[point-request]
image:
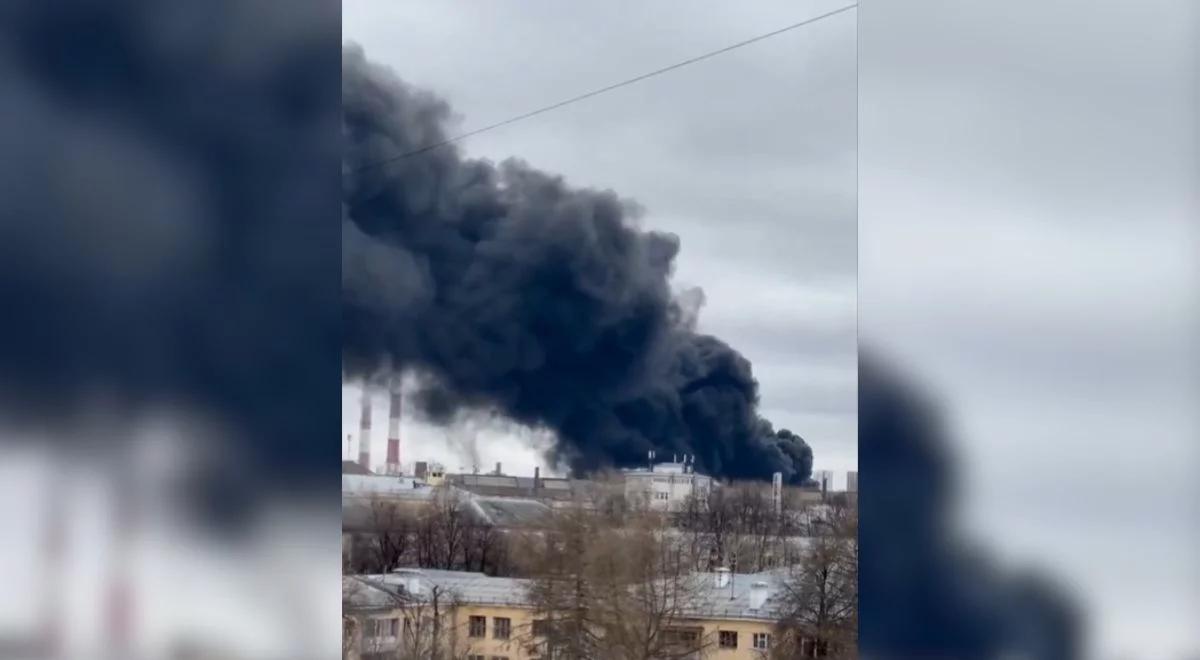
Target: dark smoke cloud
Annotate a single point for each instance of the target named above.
(505, 288)
(167, 196)
(925, 593)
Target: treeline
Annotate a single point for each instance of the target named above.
(442, 532)
(628, 586)
(737, 526)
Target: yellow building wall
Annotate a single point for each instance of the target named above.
(488, 646)
(522, 622)
(745, 630)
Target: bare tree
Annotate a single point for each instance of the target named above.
(820, 599)
(601, 591)
(441, 530)
(392, 535)
(739, 523)
(397, 624)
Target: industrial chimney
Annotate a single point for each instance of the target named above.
(393, 443)
(364, 430)
(777, 492)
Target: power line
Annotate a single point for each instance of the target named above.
(602, 90)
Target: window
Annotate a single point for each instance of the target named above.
(762, 640)
(727, 639)
(393, 627)
(682, 637)
(660, 495)
(813, 648)
(541, 628)
(501, 628)
(477, 626)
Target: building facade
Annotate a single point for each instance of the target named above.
(666, 486)
(473, 616)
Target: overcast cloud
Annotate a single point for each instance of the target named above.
(1028, 247)
(748, 157)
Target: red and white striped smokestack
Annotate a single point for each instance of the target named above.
(364, 430)
(393, 445)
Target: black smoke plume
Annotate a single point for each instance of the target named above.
(925, 592)
(167, 201)
(505, 288)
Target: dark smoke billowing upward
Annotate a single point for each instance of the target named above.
(508, 289)
(167, 246)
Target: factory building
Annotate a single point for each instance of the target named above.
(666, 486)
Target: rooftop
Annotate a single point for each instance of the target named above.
(731, 601)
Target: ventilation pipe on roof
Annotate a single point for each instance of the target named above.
(758, 595)
(411, 579)
(722, 577)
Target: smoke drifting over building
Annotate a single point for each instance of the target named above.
(505, 288)
(166, 235)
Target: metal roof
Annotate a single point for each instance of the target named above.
(510, 511)
(710, 601)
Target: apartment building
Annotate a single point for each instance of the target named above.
(478, 617)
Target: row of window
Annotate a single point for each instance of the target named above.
(385, 627)
(728, 639)
(501, 627)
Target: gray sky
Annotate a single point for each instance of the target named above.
(748, 157)
(1029, 248)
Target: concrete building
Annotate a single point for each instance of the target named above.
(852, 481)
(431, 473)
(665, 486)
(732, 618)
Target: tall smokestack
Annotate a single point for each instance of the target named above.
(393, 443)
(364, 430)
(777, 492)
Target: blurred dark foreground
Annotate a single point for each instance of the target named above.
(169, 365)
(927, 591)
